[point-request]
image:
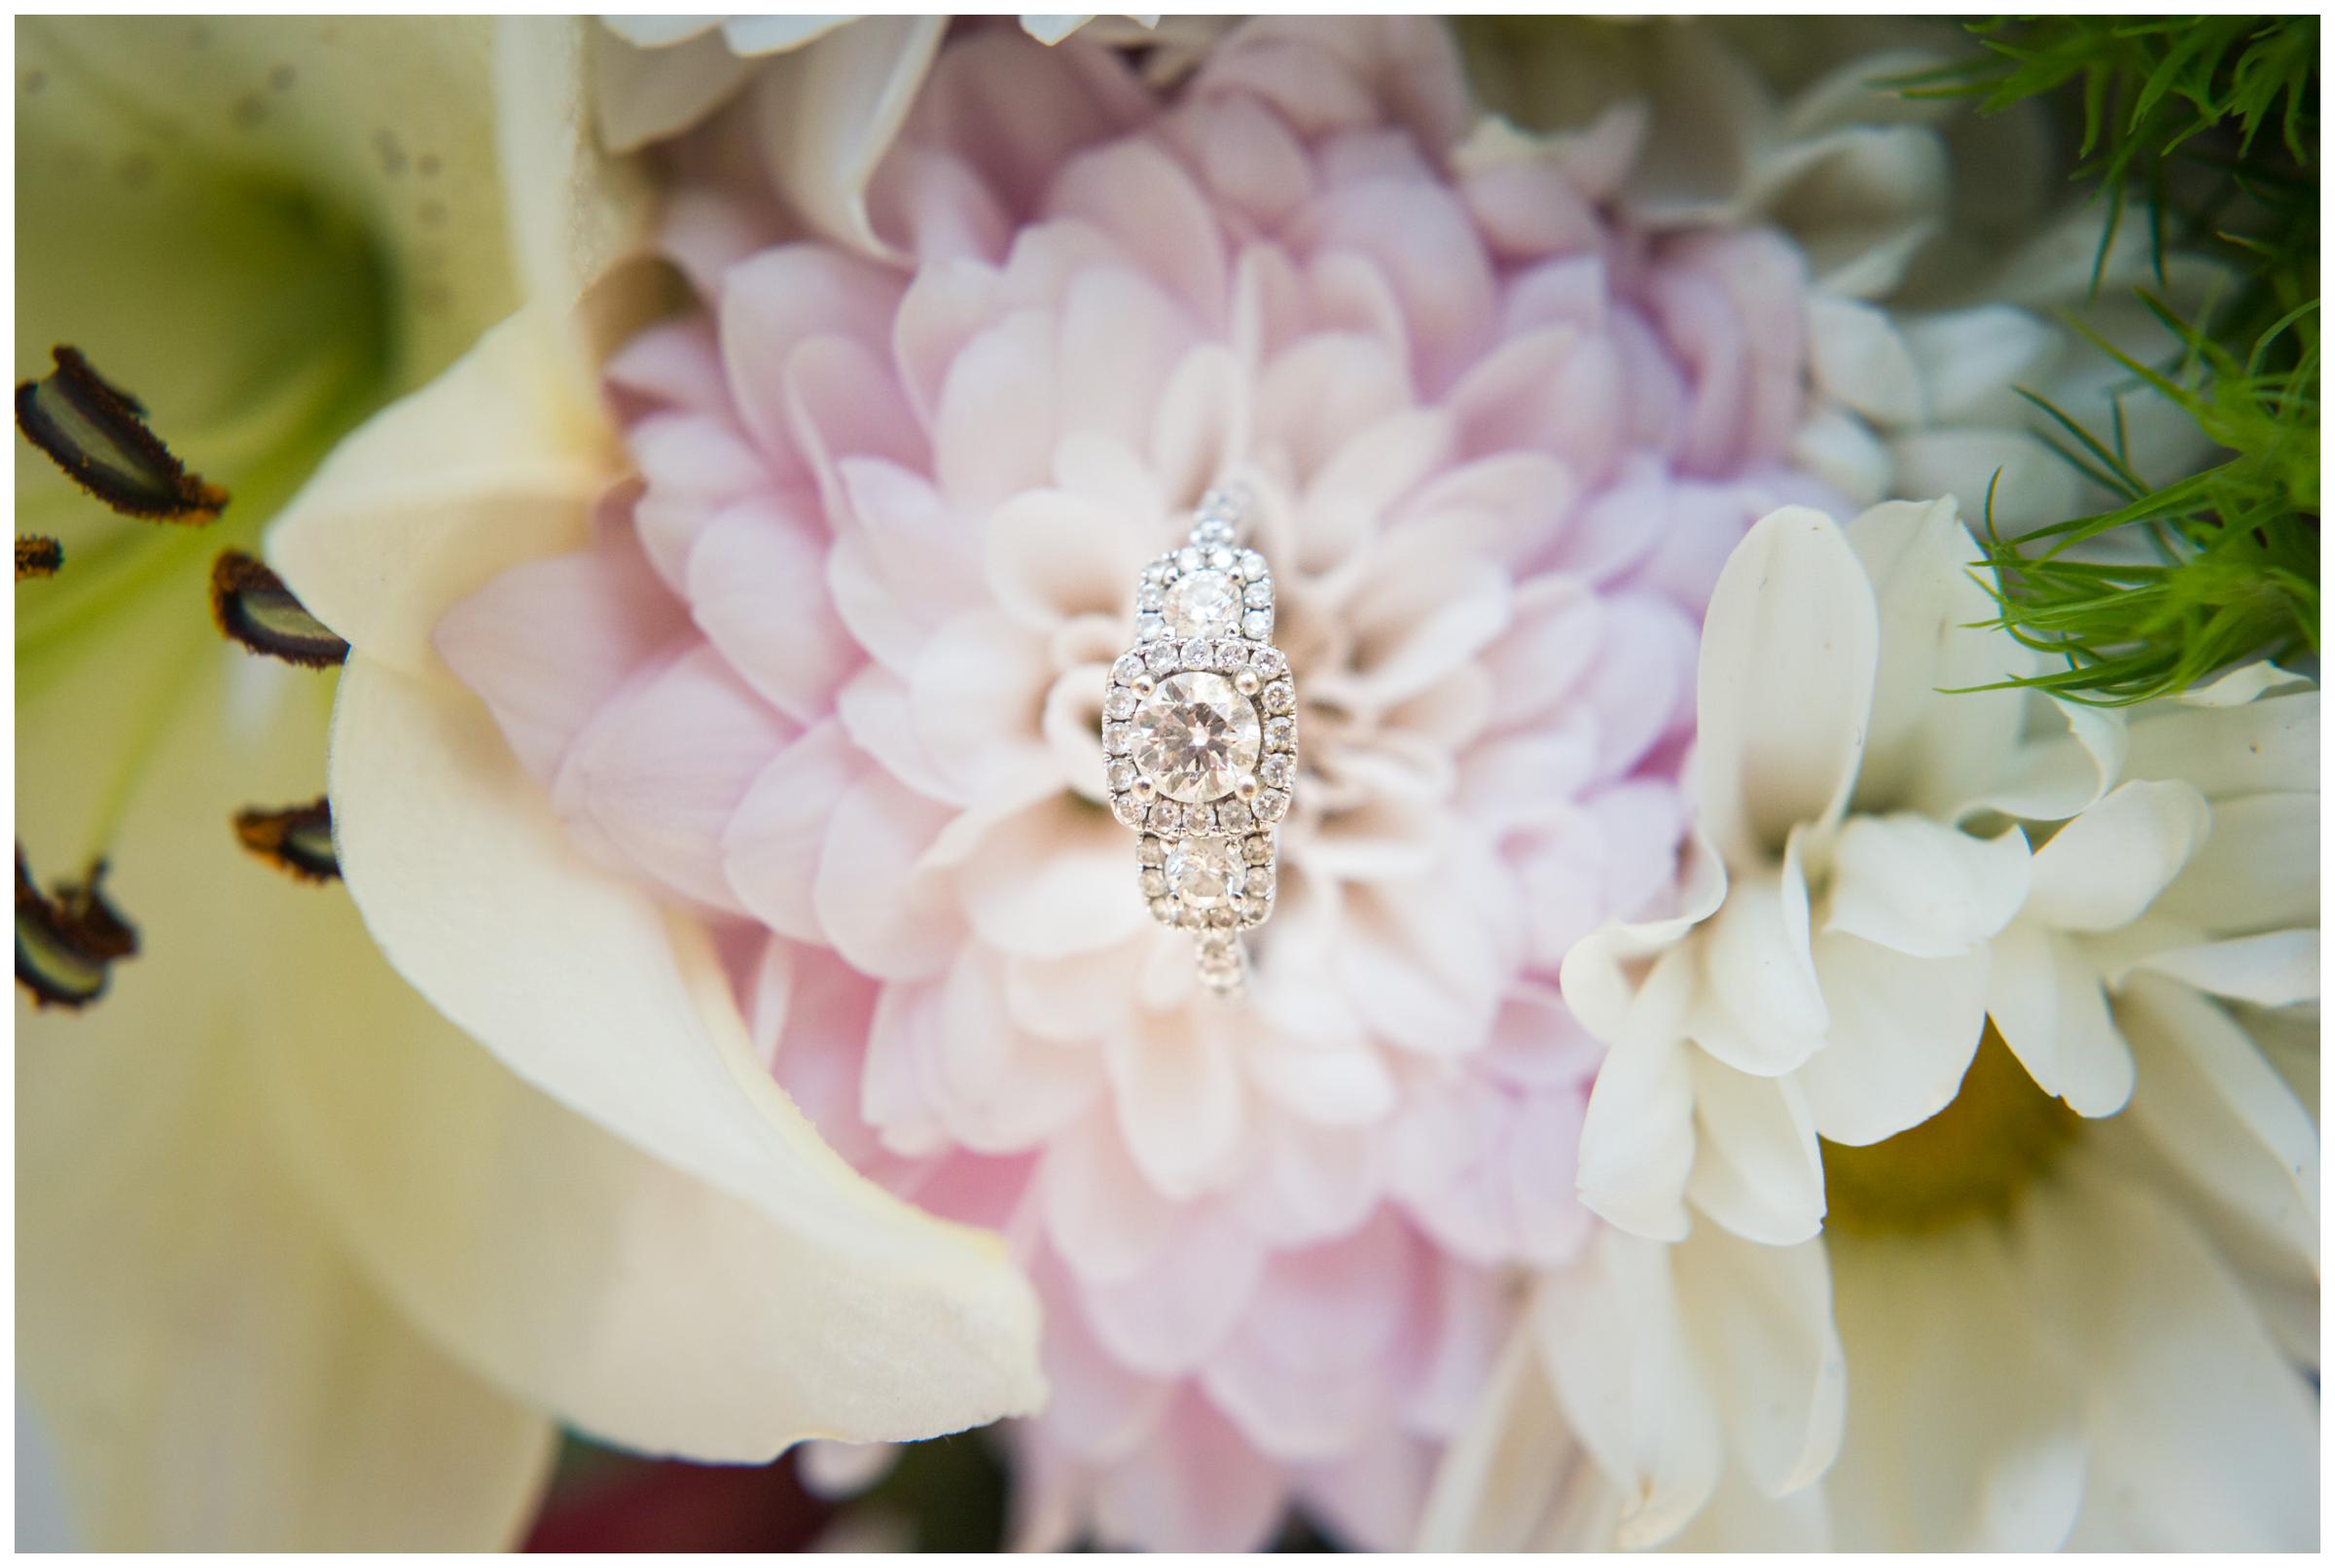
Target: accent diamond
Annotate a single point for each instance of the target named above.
(1204, 604)
(1206, 874)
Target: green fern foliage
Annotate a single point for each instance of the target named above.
(2210, 124)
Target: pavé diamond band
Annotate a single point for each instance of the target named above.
(1200, 739)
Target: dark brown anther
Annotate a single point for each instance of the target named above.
(253, 607)
(298, 838)
(38, 556)
(67, 942)
(98, 434)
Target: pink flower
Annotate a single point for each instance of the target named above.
(830, 678)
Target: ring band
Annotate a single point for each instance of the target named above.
(1200, 739)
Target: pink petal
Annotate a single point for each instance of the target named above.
(549, 643)
(1312, 1362)
(757, 588)
(665, 765)
(771, 850)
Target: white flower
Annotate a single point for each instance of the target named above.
(1830, 978)
(2048, 1328)
(299, 1266)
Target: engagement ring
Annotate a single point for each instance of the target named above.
(1200, 736)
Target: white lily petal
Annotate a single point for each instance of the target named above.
(2103, 869)
(212, 1367)
(1903, 1033)
(581, 984)
(2275, 969)
(1760, 1010)
(2048, 1005)
(1932, 745)
(1922, 889)
(1612, 1335)
(574, 209)
(2222, 1117)
(379, 547)
(1763, 1315)
(824, 115)
(1784, 683)
(1756, 1170)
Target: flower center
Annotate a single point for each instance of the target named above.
(1972, 1161)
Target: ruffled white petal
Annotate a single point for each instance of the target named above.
(2103, 870)
(1918, 887)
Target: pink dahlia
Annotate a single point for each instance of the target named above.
(831, 677)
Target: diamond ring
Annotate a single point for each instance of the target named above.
(1200, 736)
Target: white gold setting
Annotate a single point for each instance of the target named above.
(1200, 739)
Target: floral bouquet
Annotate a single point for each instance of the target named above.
(1167, 783)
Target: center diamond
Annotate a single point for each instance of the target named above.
(1206, 874)
(1204, 604)
(1195, 736)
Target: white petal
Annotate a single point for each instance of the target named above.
(645, 95)
(1856, 355)
(497, 462)
(771, 35)
(1903, 1033)
(2219, 1113)
(1967, 1423)
(2051, 780)
(2275, 969)
(2241, 686)
(2270, 744)
(1924, 889)
(1515, 1472)
(826, 113)
(2258, 871)
(2203, 1436)
(2103, 869)
(1970, 359)
(1932, 745)
(1638, 1138)
(2048, 1005)
(213, 1367)
(1785, 683)
(1756, 1167)
(1760, 1010)
(582, 986)
(1763, 1316)
(1611, 1334)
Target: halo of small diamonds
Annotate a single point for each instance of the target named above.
(1200, 739)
